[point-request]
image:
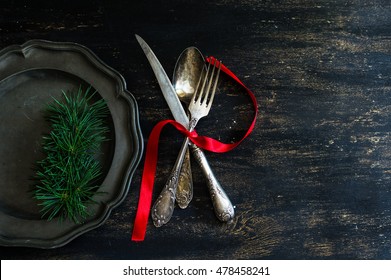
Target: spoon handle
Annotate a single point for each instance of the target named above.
(163, 207)
(222, 205)
(184, 192)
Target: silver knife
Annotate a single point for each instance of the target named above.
(164, 206)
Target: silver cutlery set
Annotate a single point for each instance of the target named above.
(195, 84)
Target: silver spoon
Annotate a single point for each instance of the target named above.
(186, 75)
(179, 186)
(185, 80)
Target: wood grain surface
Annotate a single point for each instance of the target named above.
(312, 181)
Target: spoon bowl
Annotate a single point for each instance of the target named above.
(187, 72)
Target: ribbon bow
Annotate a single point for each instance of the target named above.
(204, 142)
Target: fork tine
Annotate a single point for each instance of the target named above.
(196, 92)
(212, 94)
(205, 98)
(202, 90)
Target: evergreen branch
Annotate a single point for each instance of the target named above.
(66, 177)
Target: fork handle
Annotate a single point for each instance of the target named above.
(221, 203)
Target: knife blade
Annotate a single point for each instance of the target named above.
(167, 88)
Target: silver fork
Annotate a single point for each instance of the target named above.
(199, 107)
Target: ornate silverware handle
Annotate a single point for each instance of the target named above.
(163, 207)
(222, 205)
(184, 192)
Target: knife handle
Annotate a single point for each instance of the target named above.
(164, 205)
(221, 203)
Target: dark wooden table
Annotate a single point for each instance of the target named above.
(313, 181)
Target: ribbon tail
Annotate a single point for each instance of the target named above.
(148, 177)
(147, 183)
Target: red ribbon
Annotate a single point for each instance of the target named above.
(204, 142)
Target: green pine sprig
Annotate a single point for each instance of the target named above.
(67, 177)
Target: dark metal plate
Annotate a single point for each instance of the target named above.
(30, 75)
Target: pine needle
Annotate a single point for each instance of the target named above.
(67, 176)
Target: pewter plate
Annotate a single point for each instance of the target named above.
(30, 76)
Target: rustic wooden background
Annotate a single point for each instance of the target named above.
(313, 181)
